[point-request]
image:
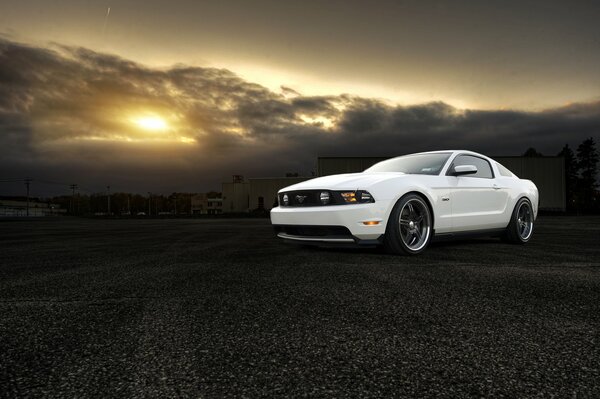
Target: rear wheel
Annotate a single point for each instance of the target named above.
(520, 228)
(409, 227)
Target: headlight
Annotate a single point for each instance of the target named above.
(324, 197)
(365, 196)
(357, 197)
(349, 196)
(286, 199)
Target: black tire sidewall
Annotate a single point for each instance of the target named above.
(514, 227)
(393, 240)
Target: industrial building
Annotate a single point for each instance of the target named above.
(235, 196)
(255, 194)
(32, 208)
(240, 195)
(548, 174)
(201, 204)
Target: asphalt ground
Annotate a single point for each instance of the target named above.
(221, 308)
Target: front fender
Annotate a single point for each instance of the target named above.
(394, 189)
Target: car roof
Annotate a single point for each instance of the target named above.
(452, 152)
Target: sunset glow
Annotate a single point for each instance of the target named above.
(151, 123)
(319, 121)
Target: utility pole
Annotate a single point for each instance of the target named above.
(73, 188)
(128, 206)
(108, 198)
(27, 183)
(149, 203)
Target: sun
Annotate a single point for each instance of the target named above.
(151, 122)
(153, 127)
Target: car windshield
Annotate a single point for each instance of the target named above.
(417, 164)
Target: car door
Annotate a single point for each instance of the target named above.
(477, 200)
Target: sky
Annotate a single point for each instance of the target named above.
(178, 96)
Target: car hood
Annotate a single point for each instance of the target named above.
(349, 181)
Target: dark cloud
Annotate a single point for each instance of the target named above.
(288, 91)
(64, 116)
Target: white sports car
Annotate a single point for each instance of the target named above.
(403, 202)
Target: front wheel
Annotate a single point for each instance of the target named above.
(520, 228)
(409, 228)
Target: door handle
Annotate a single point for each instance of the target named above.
(496, 187)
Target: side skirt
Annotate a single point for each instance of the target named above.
(468, 234)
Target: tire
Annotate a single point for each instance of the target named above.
(520, 228)
(409, 228)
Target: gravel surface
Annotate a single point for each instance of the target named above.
(221, 308)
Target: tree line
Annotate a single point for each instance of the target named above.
(122, 203)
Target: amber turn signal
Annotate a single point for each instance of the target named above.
(371, 223)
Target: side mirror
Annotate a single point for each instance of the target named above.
(462, 170)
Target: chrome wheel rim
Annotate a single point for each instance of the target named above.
(415, 224)
(524, 221)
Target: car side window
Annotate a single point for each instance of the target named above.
(484, 169)
(503, 171)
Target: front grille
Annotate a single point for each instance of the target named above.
(313, 231)
(313, 198)
(307, 198)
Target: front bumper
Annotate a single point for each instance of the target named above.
(349, 216)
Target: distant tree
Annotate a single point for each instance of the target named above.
(291, 174)
(121, 203)
(181, 201)
(532, 152)
(213, 194)
(571, 174)
(587, 161)
(139, 203)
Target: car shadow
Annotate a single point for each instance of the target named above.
(434, 246)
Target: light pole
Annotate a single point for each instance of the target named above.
(108, 198)
(27, 183)
(73, 188)
(149, 202)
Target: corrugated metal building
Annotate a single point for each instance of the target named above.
(548, 173)
(235, 196)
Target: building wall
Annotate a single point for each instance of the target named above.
(255, 193)
(199, 204)
(215, 206)
(548, 173)
(19, 208)
(202, 205)
(235, 197)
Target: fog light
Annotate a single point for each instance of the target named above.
(324, 197)
(286, 199)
